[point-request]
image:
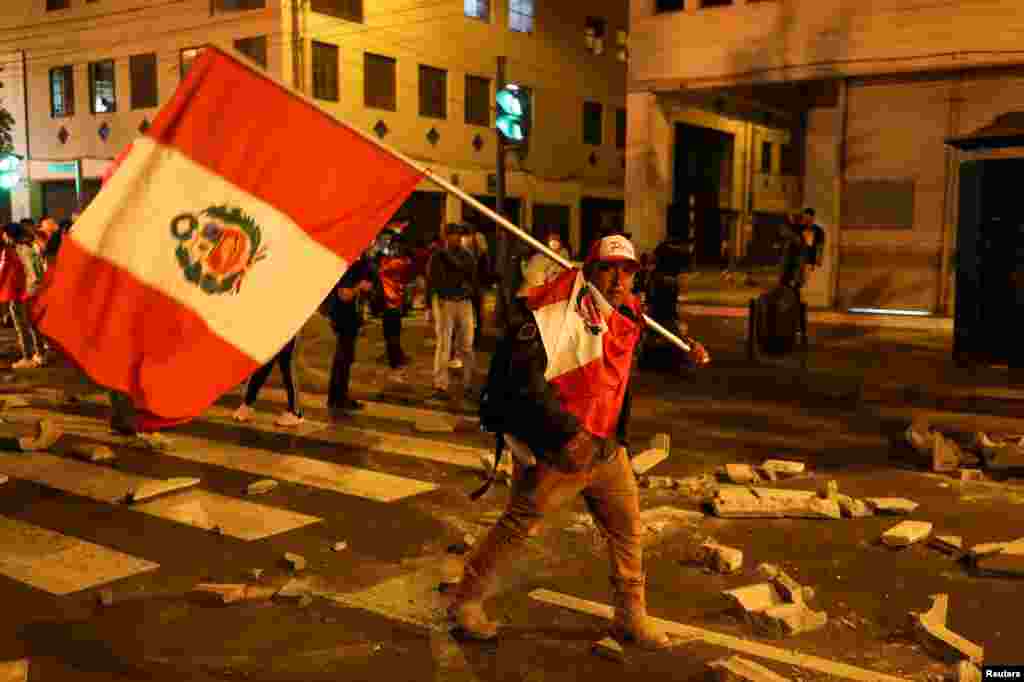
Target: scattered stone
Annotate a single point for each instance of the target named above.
(293, 589)
(988, 548)
(736, 669)
(305, 600)
(972, 475)
(935, 637)
(659, 519)
(787, 619)
(15, 401)
(967, 672)
(151, 489)
(191, 513)
(231, 593)
(14, 671)
(339, 546)
(105, 597)
(647, 460)
(720, 558)
(852, 508)
(1008, 561)
(754, 598)
(772, 504)
(950, 544)
(702, 488)
(659, 482)
(610, 649)
(769, 571)
(891, 505)
(661, 441)
(906, 533)
(295, 561)
(261, 487)
(741, 474)
(828, 490)
(784, 468)
(945, 454)
(92, 453)
(790, 590)
(256, 573)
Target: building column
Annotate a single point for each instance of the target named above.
(648, 191)
(822, 177)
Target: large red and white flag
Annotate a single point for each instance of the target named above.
(589, 347)
(224, 228)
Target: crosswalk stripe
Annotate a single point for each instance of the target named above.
(197, 508)
(60, 564)
(371, 408)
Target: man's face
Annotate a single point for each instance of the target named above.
(614, 280)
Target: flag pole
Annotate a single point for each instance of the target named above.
(435, 178)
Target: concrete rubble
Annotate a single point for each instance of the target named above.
(906, 533)
(151, 489)
(295, 562)
(610, 649)
(787, 588)
(829, 490)
(950, 544)
(945, 454)
(339, 546)
(967, 672)
(647, 460)
(998, 558)
(720, 558)
(92, 453)
(751, 502)
(741, 474)
(230, 593)
(933, 635)
(853, 508)
(261, 487)
(891, 505)
(660, 519)
(736, 669)
(780, 468)
(777, 608)
(972, 475)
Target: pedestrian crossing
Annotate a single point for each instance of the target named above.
(61, 564)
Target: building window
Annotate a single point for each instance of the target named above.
(433, 92)
(592, 114)
(102, 91)
(188, 55)
(62, 92)
(593, 34)
(351, 10)
(142, 69)
(52, 5)
(520, 16)
(380, 82)
(478, 101)
(669, 6)
(620, 128)
(325, 71)
(233, 5)
(254, 48)
(477, 9)
(766, 157)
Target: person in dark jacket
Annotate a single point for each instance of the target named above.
(558, 458)
(452, 283)
(798, 258)
(343, 311)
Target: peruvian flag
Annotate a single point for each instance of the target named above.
(589, 347)
(221, 232)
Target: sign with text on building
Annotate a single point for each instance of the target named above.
(64, 167)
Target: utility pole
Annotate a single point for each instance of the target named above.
(503, 257)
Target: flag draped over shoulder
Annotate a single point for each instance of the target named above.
(223, 229)
(589, 347)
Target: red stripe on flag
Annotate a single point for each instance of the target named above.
(128, 336)
(555, 291)
(339, 187)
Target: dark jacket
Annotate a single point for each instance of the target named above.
(540, 421)
(452, 274)
(346, 317)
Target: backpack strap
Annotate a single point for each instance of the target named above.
(499, 448)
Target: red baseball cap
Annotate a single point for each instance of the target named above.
(613, 249)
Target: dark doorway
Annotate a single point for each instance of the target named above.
(598, 217)
(703, 175)
(425, 213)
(551, 215)
(513, 211)
(990, 262)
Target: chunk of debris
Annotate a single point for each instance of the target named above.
(753, 598)
(784, 468)
(12, 402)
(105, 597)
(647, 460)
(988, 548)
(935, 637)
(191, 513)
(788, 588)
(891, 505)
(437, 425)
(950, 544)
(967, 672)
(659, 482)
(906, 533)
(945, 454)
(92, 453)
(228, 593)
(339, 546)
(736, 669)
(788, 619)
(1009, 560)
(295, 561)
(659, 519)
(828, 490)
(702, 488)
(1005, 456)
(610, 649)
(150, 489)
(773, 504)
(293, 589)
(852, 508)
(261, 487)
(741, 474)
(720, 558)
(305, 600)
(972, 475)
(14, 671)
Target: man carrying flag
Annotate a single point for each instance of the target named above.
(568, 388)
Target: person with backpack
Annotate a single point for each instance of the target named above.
(569, 432)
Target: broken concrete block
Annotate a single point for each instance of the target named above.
(784, 468)
(772, 504)
(659, 483)
(14, 671)
(92, 453)
(950, 544)
(610, 649)
(988, 548)
(769, 571)
(945, 454)
(720, 558)
(295, 561)
(741, 474)
(15, 401)
(339, 546)
(787, 619)
(972, 475)
(151, 489)
(1004, 456)
(736, 669)
(293, 589)
(191, 513)
(1009, 561)
(228, 593)
(435, 426)
(967, 672)
(261, 487)
(702, 488)
(647, 460)
(891, 505)
(853, 508)
(906, 533)
(753, 598)
(935, 637)
(828, 490)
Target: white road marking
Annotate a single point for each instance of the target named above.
(60, 564)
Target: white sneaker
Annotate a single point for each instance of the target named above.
(154, 440)
(243, 413)
(289, 419)
(38, 360)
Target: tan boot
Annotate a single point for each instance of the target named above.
(467, 610)
(631, 623)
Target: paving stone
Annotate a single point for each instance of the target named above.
(986, 548)
(741, 474)
(230, 593)
(92, 453)
(721, 558)
(933, 635)
(852, 508)
(770, 503)
(736, 669)
(14, 671)
(945, 454)
(295, 561)
(891, 505)
(647, 460)
(950, 544)
(754, 598)
(788, 619)
(261, 487)
(610, 649)
(784, 468)
(828, 490)
(906, 533)
(967, 672)
(151, 489)
(1009, 561)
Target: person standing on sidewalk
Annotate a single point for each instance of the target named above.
(285, 359)
(343, 310)
(817, 247)
(394, 269)
(570, 442)
(452, 283)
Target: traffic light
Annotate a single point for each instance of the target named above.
(513, 118)
(10, 171)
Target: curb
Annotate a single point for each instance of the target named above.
(831, 317)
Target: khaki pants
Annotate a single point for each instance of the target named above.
(611, 495)
(453, 323)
